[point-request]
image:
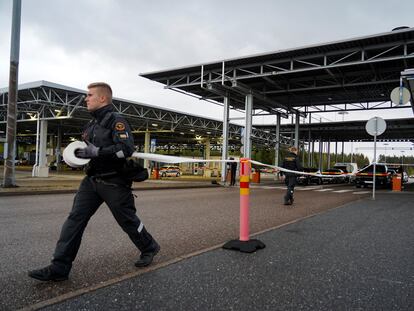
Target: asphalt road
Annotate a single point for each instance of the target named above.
(183, 221)
(357, 257)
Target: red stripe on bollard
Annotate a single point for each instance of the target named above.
(244, 184)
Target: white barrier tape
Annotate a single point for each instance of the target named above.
(73, 161)
(296, 172)
(70, 158)
(173, 159)
(69, 154)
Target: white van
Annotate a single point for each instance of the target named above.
(349, 168)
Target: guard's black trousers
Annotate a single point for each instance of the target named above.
(117, 194)
(290, 181)
(232, 177)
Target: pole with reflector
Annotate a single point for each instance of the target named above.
(244, 244)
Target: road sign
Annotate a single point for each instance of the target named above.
(375, 126)
(400, 96)
(153, 145)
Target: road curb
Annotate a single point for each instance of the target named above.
(43, 192)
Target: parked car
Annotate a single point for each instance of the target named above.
(330, 176)
(383, 176)
(399, 170)
(350, 169)
(170, 171)
(405, 177)
(309, 179)
(267, 170)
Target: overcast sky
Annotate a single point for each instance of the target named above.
(76, 42)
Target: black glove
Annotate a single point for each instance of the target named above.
(90, 151)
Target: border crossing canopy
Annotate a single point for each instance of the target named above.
(353, 74)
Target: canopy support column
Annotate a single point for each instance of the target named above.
(248, 127)
(225, 144)
(277, 145)
(42, 169)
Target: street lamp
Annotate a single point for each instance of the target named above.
(402, 159)
(386, 144)
(343, 113)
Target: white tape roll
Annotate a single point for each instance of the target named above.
(69, 154)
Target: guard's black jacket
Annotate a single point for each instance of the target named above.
(112, 134)
(291, 162)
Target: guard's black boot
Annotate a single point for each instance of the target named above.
(286, 200)
(145, 259)
(48, 273)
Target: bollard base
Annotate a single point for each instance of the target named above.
(244, 246)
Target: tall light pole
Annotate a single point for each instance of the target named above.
(9, 176)
(402, 159)
(385, 144)
(343, 113)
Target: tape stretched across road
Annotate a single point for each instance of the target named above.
(172, 160)
(70, 158)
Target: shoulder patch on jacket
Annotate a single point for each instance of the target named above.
(119, 126)
(123, 135)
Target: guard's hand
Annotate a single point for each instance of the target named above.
(90, 151)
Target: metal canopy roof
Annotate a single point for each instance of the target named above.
(63, 105)
(408, 78)
(397, 130)
(354, 74)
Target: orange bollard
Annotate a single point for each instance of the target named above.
(396, 183)
(155, 174)
(244, 244)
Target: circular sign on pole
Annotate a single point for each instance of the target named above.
(375, 126)
(400, 96)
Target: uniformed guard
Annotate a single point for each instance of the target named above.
(109, 142)
(291, 162)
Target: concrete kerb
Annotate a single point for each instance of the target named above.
(69, 191)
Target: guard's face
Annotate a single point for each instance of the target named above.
(94, 100)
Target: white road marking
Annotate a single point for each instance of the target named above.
(301, 188)
(342, 191)
(267, 187)
(304, 189)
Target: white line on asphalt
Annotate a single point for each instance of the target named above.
(342, 191)
(322, 190)
(361, 192)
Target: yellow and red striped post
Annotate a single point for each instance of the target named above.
(245, 169)
(244, 244)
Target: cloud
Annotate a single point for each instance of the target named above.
(75, 42)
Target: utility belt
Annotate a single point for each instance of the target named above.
(105, 175)
(131, 171)
(92, 172)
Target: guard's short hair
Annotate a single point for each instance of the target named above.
(105, 87)
(293, 149)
